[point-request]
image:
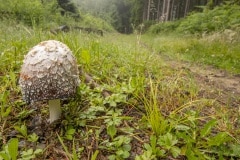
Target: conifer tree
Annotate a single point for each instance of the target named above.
(67, 6)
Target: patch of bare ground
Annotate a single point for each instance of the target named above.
(213, 83)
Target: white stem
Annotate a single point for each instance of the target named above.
(54, 109)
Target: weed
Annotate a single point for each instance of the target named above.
(73, 156)
(10, 151)
(120, 147)
(158, 123)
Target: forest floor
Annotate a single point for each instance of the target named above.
(83, 132)
(214, 83)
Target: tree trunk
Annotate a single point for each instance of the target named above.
(172, 15)
(158, 10)
(168, 10)
(148, 10)
(145, 10)
(163, 16)
(186, 8)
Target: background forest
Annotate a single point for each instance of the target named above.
(159, 80)
(126, 15)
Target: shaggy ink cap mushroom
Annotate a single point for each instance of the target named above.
(49, 72)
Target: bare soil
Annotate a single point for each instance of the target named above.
(213, 83)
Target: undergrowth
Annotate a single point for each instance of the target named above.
(220, 18)
(152, 111)
(47, 15)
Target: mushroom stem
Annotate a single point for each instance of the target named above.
(54, 109)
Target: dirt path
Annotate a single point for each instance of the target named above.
(214, 83)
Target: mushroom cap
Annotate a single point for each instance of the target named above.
(49, 71)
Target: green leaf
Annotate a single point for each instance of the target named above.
(27, 155)
(22, 130)
(33, 137)
(147, 147)
(112, 157)
(70, 131)
(126, 147)
(13, 148)
(219, 139)
(64, 146)
(125, 154)
(181, 127)
(38, 151)
(5, 109)
(160, 152)
(236, 149)
(147, 155)
(111, 131)
(74, 152)
(6, 112)
(4, 156)
(175, 151)
(13, 78)
(119, 141)
(4, 97)
(24, 113)
(153, 141)
(81, 123)
(186, 137)
(94, 156)
(122, 153)
(69, 134)
(190, 154)
(167, 140)
(113, 104)
(207, 127)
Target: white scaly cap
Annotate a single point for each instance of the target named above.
(49, 71)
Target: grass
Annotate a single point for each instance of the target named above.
(216, 50)
(153, 111)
